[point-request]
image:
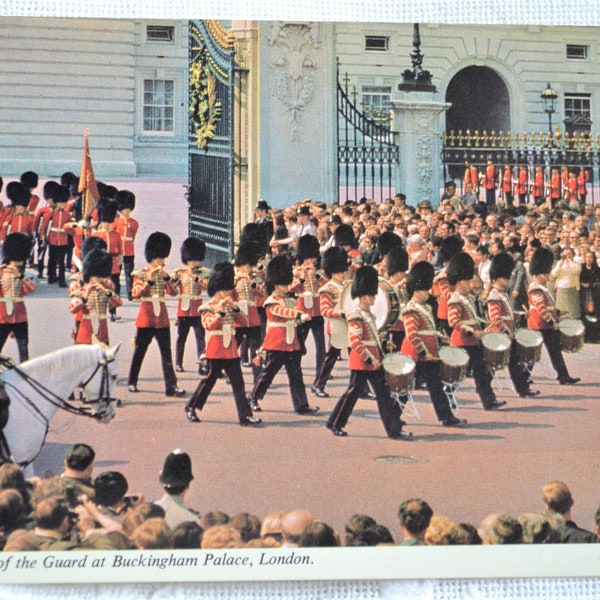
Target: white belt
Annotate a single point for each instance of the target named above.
(127, 239)
(227, 334)
(57, 230)
(244, 305)
(308, 299)
(156, 302)
(290, 330)
(10, 302)
(95, 318)
(429, 332)
(186, 299)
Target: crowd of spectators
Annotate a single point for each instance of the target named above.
(75, 511)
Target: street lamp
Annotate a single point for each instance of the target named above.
(549, 97)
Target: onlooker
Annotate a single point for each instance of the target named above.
(414, 516)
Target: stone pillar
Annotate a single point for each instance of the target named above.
(298, 112)
(417, 118)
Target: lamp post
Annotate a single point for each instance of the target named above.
(549, 97)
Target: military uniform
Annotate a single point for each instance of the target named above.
(128, 229)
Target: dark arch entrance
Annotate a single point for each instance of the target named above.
(479, 100)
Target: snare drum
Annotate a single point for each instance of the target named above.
(529, 346)
(496, 350)
(386, 307)
(399, 372)
(454, 365)
(571, 335)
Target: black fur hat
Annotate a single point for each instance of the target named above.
(193, 248)
(177, 469)
(397, 261)
(365, 282)
(17, 247)
(61, 195)
(97, 263)
(279, 272)
(460, 268)
(158, 245)
(387, 241)
(248, 253)
(90, 243)
(254, 232)
(17, 193)
(30, 179)
(125, 199)
(502, 266)
(221, 278)
(68, 178)
(107, 210)
(420, 277)
(335, 260)
(450, 246)
(308, 247)
(50, 189)
(344, 236)
(541, 261)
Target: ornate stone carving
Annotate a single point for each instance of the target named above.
(294, 66)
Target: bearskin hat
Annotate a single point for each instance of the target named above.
(502, 266)
(254, 232)
(247, 254)
(158, 245)
(61, 195)
(541, 261)
(344, 236)
(17, 193)
(17, 247)
(177, 469)
(50, 189)
(460, 268)
(125, 199)
(450, 246)
(308, 247)
(387, 241)
(30, 179)
(335, 260)
(107, 191)
(107, 210)
(365, 282)
(97, 263)
(221, 278)
(279, 272)
(420, 277)
(92, 242)
(193, 248)
(397, 261)
(68, 178)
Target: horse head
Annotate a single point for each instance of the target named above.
(99, 390)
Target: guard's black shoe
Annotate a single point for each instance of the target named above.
(369, 396)
(401, 435)
(569, 380)
(179, 368)
(175, 392)
(254, 404)
(495, 405)
(337, 431)
(455, 422)
(190, 411)
(309, 410)
(246, 364)
(251, 422)
(320, 393)
(133, 388)
(529, 393)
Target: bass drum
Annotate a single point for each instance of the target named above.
(529, 346)
(496, 350)
(453, 369)
(399, 372)
(386, 308)
(572, 333)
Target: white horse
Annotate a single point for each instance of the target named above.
(39, 387)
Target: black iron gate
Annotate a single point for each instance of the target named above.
(211, 155)
(367, 150)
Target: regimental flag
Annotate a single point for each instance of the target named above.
(87, 181)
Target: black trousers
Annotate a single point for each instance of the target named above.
(317, 326)
(482, 375)
(116, 280)
(21, 333)
(57, 256)
(233, 370)
(429, 372)
(127, 267)
(184, 324)
(250, 337)
(389, 410)
(324, 373)
(143, 338)
(490, 197)
(519, 373)
(41, 255)
(292, 361)
(552, 342)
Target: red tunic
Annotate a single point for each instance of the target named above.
(472, 177)
(33, 204)
(307, 288)
(537, 189)
(421, 335)
(54, 227)
(282, 315)
(18, 224)
(220, 330)
(542, 312)
(190, 285)
(442, 290)
(363, 338)
(507, 180)
(491, 175)
(127, 229)
(522, 180)
(153, 310)
(555, 185)
(12, 289)
(462, 318)
(113, 246)
(250, 292)
(582, 180)
(500, 313)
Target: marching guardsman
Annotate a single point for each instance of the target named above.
(53, 228)
(30, 181)
(107, 213)
(335, 266)
(421, 341)
(507, 185)
(386, 242)
(41, 215)
(365, 363)
(442, 289)
(191, 281)
(13, 286)
(251, 293)
(17, 219)
(95, 297)
(150, 286)
(344, 238)
(502, 320)
(282, 344)
(307, 281)
(396, 269)
(543, 315)
(466, 327)
(128, 229)
(219, 317)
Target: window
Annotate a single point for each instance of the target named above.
(377, 43)
(160, 33)
(158, 106)
(577, 105)
(577, 52)
(376, 99)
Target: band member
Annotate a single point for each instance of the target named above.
(344, 238)
(307, 281)
(442, 290)
(251, 293)
(218, 318)
(396, 268)
(13, 286)
(128, 229)
(502, 320)
(53, 228)
(466, 327)
(150, 286)
(335, 266)
(94, 298)
(543, 315)
(421, 341)
(365, 363)
(386, 242)
(191, 280)
(41, 215)
(282, 344)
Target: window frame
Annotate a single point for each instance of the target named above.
(368, 37)
(151, 133)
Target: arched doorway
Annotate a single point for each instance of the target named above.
(479, 99)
